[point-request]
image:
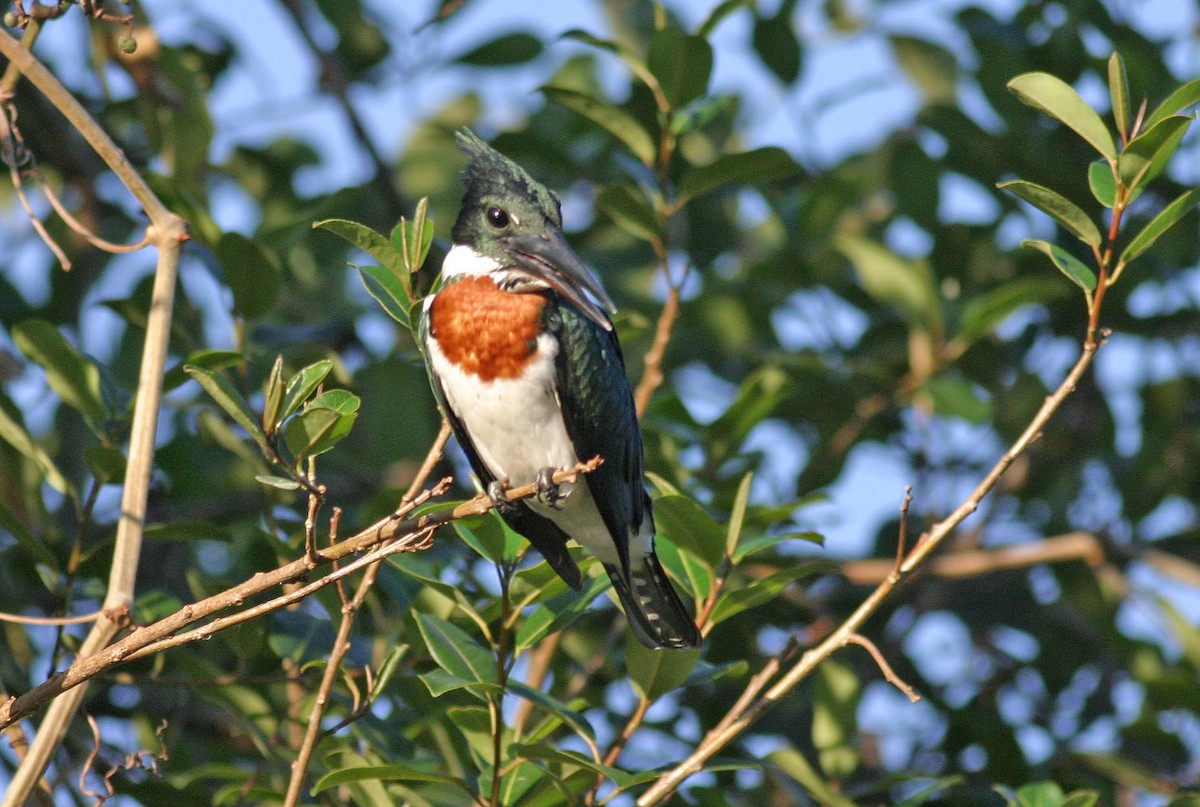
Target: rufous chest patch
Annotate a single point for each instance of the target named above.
(483, 330)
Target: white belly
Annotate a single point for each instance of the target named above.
(516, 426)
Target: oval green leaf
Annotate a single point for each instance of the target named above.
(616, 121)
(1118, 90)
(1165, 220)
(1185, 96)
(1063, 210)
(230, 400)
(1058, 99)
(1065, 262)
(767, 164)
(1102, 183)
(1146, 156)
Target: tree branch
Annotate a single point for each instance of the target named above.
(746, 712)
(161, 634)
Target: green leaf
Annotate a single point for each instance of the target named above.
(1102, 183)
(1146, 156)
(571, 759)
(1065, 262)
(776, 43)
(13, 432)
(273, 397)
(556, 707)
(1058, 99)
(75, 378)
(903, 284)
(761, 591)
(324, 422)
(302, 385)
(208, 359)
(387, 291)
(503, 51)
(1059, 207)
(693, 574)
(612, 119)
(682, 64)
(953, 396)
(627, 206)
(10, 523)
(1118, 90)
(558, 613)
(252, 273)
(737, 515)
(835, 717)
(654, 673)
(931, 67)
(750, 546)
(413, 239)
(1185, 96)
(1165, 220)
(106, 463)
(374, 244)
(455, 651)
(701, 112)
(387, 773)
(924, 795)
(186, 531)
(755, 167)
(491, 537)
(230, 400)
(685, 523)
(1040, 794)
(790, 762)
(719, 13)
(1081, 798)
(983, 313)
(281, 482)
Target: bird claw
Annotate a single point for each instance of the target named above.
(548, 492)
(497, 492)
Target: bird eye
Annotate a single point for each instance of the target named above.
(497, 218)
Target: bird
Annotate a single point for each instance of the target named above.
(525, 364)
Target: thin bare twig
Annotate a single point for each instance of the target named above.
(888, 673)
(386, 529)
(350, 609)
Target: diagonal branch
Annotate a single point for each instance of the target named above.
(748, 710)
(161, 634)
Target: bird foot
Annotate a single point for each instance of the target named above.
(497, 491)
(548, 493)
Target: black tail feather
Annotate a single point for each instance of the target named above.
(656, 614)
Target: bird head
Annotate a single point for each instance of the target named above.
(510, 227)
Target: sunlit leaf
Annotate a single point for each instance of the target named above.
(1065, 262)
(1184, 96)
(386, 773)
(273, 390)
(1040, 794)
(1102, 183)
(737, 515)
(209, 359)
(230, 400)
(455, 651)
(836, 692)
(931, 67)
(792, 763)
(1118, 91)
(611, 118)
(1146, 156)
(1165, 220)
(68, 372)
(374, 244)
(387, 291)
(686, 524)
(1062, 209)
(1058, 99)
(13, 432)
(558, 613)
(761, 591)
(954, 396)
(904, 284)
(302, 385)
(654, 673)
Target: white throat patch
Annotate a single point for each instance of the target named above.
(461, 260)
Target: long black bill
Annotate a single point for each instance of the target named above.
(549, 258)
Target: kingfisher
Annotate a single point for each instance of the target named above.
(525, 364)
